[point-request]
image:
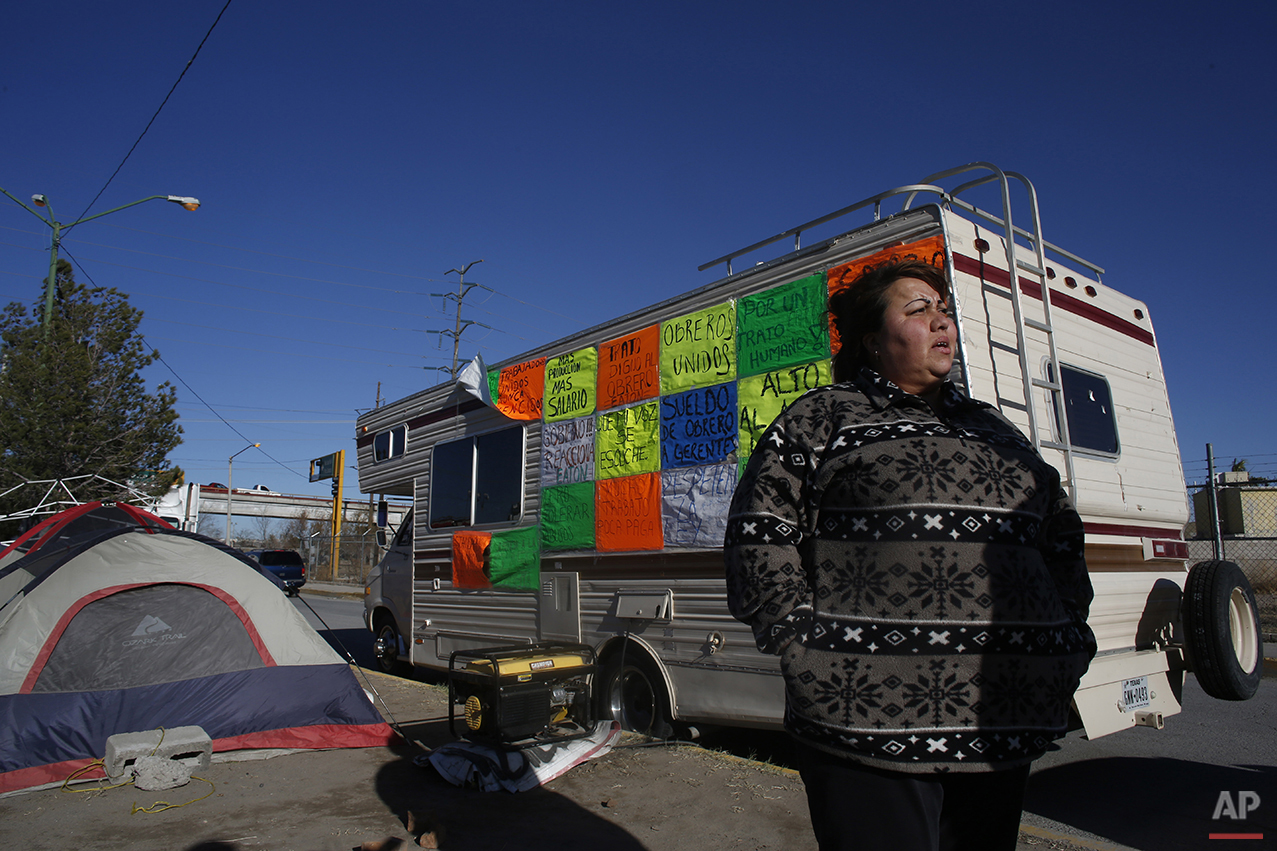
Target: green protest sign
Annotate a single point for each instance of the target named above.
(567, 517)
(516, 558)
(782, 326)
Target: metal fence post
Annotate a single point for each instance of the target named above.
(1216, 538)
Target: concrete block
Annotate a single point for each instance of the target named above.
(190, 746)
(155, 773)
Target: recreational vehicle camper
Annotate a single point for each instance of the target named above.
(578, 492)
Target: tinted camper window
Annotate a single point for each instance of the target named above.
(1089, 406)
(389, 444)
(477, 480)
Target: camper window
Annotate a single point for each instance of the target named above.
(389, 444)
(1089, 405)
(477, 480)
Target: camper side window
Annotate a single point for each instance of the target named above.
(1088, 403)
(389, 444)
(477, 480)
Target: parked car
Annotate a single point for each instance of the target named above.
(286, 564)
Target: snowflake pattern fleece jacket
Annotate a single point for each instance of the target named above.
(920, 573)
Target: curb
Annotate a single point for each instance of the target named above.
(1029, 831)
(353, 592)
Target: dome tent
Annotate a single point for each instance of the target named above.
(129, 627)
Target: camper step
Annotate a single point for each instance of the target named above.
(190, 746)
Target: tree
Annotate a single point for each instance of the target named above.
(73, 403)
(297, 530)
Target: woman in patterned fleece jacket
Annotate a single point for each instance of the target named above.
(919, 569)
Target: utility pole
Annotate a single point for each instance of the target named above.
(463, 289)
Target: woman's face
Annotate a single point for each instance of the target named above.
(914, 349)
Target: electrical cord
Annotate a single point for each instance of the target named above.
(157, 807)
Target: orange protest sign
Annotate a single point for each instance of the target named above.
(929, 250)
(629, 368)
(627, 513)
(469, 560)
(520, 390)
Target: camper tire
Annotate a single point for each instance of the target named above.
(632, 694)
(1222, 638)
(386, 646)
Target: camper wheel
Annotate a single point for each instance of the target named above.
(386, 645)
(1222, 639)
(633, 693)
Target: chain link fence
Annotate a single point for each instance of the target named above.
(1247, 523)
(357, 553)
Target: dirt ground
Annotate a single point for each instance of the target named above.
(663, 798)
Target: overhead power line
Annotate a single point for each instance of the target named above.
(176, 83)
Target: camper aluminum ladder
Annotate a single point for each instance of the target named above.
(1035, 274)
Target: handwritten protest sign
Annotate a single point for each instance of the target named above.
(764, 397)
(628, 441)
(520, 390)
(627, 513)
(698, 349)
(516, 558)
(629, 368)
(694, 504)
(567, 517)
(929, 250)
(567, 452)
(570, 385)
(698, 426)
(782, 326)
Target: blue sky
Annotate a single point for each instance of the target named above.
(347, 155)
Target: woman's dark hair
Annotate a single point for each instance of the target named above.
(858, 309)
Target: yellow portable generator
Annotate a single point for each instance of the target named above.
(511, 696)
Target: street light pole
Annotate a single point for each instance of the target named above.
(57, 227)
(230, 489)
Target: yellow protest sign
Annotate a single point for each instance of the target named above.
(570, 385)
(628, 441)
(699, 349)
(762, 398)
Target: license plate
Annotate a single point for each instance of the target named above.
(1135, 693)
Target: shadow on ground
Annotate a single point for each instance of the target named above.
(1158, 804)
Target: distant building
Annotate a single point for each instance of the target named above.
(1245, 510)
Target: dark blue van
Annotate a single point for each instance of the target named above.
(286, 564)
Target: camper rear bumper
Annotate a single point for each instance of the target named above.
(1130, 688)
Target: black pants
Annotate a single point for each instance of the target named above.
(855, 808)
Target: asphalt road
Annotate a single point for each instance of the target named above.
(1152, 790)
(341, 622)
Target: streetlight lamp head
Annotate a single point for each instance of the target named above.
(186, 201)
(39, 200)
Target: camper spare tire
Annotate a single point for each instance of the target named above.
(632, 694)
(1222, 638)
